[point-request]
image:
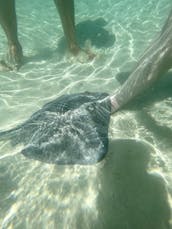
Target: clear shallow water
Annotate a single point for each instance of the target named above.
(37, 195)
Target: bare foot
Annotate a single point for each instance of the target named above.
(15, 56)
(4, 66)
(82, 55)
(13, 60)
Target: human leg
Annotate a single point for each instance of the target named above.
(8, 22)
(67, 15)
(66, 11)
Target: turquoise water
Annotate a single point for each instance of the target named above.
(117, 193)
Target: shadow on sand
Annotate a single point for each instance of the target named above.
(131, 197)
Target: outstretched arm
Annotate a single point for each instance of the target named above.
(156, 61)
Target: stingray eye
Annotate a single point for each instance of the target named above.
(91, 107)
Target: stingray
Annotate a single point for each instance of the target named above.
(73, 129)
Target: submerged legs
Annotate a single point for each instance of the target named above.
(8, 21)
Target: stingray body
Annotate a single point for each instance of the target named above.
(72, 129)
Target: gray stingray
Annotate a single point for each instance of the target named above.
(73, 129)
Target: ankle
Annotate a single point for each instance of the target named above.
(74, 49)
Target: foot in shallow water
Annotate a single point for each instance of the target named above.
(14, 59)
(81, 55)
(4, 66)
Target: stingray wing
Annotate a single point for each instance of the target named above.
(73, 129)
